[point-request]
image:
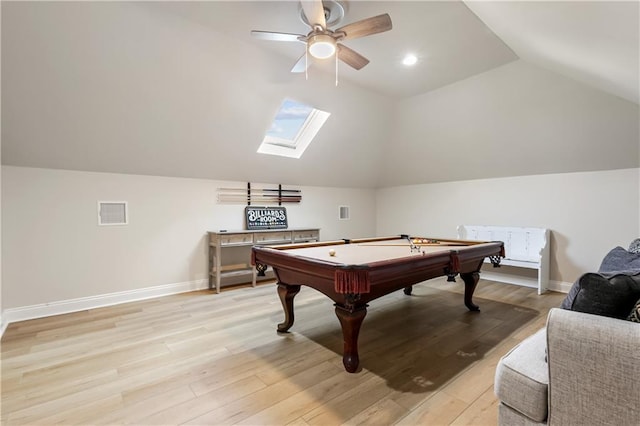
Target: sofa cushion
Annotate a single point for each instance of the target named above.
(610, 297)
(522, 378)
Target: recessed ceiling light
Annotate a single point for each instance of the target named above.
(410, 59)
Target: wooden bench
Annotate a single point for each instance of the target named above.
(524, 248)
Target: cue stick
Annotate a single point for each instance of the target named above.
(254, 198)
(265, 196)
(260, 195)
(244, 191)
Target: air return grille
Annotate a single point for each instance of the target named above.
(343, 213)
(112, 213)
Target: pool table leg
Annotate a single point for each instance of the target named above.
(287, 293)
(408, 290)
(470, 282)
(350, 320)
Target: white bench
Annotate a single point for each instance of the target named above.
(524, 248)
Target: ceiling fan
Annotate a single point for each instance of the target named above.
(321, 42)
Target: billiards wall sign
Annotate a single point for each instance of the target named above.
(266, 217)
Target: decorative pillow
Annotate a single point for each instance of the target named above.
(634, 247)
(611, 297)
(634, 316)
(620, 260)
(617, 261)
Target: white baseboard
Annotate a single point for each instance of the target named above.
(3, 324)
(91, 302)
(560, 286)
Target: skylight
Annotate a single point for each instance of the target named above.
(292, 130)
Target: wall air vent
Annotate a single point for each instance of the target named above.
(343, 212)
(112, 213)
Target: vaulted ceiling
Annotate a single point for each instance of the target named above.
(596, 42)
(182, 89)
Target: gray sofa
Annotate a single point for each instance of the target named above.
(581, 369)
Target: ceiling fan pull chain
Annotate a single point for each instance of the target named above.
(306, 63)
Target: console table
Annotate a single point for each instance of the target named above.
(223, 242)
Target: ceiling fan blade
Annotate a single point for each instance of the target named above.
(301, 64)
(351, 57)
(268, 35)
(314, 11)
(365, 27)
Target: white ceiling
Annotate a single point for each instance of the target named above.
(450, 41)
(597, 43)
(594, 42)
(182, 89)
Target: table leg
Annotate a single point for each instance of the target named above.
(218, 265)
(287, 293)
(407, 290)
(350, 321)
(470, 282)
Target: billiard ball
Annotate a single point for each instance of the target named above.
(332, 252)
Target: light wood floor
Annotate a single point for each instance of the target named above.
(204, 358)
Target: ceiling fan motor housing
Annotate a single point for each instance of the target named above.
(333, 13)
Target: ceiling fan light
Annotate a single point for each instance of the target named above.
(322, 46)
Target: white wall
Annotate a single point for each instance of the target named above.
(588, 213)
(514, 120)
(2, 322)
(53, 250)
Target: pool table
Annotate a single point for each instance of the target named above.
(355, 272)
